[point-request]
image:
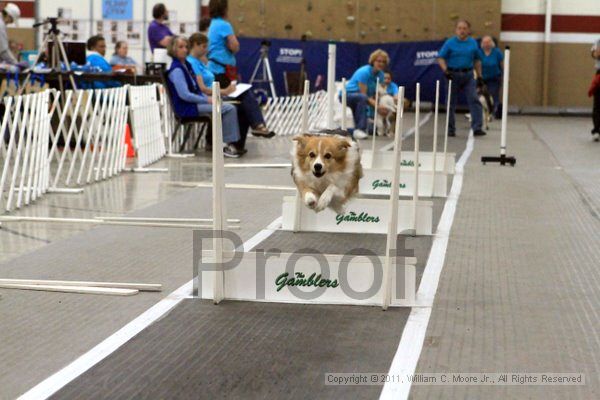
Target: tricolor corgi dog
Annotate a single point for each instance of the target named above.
(326, 170)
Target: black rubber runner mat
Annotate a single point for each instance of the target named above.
(241, 350)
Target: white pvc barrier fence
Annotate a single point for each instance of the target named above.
(148, 128)
(283, 114)
(92, 122)
(23, 150)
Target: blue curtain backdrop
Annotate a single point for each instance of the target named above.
(411, 62)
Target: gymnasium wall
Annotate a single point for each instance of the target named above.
(363, 21)
(575, 26)
(518, 23)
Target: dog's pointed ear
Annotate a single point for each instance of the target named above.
(344, 145)
(300, 139)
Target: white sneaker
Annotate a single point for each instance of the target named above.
(596, 137)
(360, 134)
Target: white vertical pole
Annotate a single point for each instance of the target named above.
(102, 151)
(435, 135)
(375, 117)
(22, 132)
(68, 137)
(104, 95)
(344, 104)
(29, 132)
(90, 135)
(447, 124)
(417, 135)
(504, 101)
(82, 130)
(298, 199)
(218, 187)
(392, 234)
(330, 84)
(11, 141)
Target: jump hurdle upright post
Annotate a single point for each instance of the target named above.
(298, 200)
(375, 124)
(218, 187)
(435, 135)
(417, 136)
(331, 53)
(447, 122)
(392, 234)
(344, 104)
(503, 159)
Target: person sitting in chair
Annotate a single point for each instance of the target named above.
(248, 110)
(189, 101)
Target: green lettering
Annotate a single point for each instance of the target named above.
(280, 281)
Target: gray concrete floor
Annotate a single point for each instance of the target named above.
(518, 291)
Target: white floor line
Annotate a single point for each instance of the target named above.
(409, 132)
(57, 381)
(409, 350)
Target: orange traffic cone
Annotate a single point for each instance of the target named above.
(130, 149)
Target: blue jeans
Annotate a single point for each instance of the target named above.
(464, 81)
(249, 115)
(493, 85)
(231, 132)
(358, 103)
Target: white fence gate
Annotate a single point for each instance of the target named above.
(148, 128)
(23, 150)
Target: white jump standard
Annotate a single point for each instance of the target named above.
(319, 278)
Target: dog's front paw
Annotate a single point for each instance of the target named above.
(310, 200)
(338, 208)
(324, 201)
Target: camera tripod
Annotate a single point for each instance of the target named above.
(57, 55)
(263, 61)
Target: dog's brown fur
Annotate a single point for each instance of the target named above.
(337, 181)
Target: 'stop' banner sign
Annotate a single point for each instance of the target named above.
(117, 9)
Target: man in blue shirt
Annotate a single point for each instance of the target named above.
(457, 58)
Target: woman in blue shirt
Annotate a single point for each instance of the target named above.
(457, 58)
(249, 114)
(188, 101)
(223, 43)
(96, 46)
(120, 57)
(360, 90)
(491, 68)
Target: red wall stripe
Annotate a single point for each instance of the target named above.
(560, 23)
(27, 8)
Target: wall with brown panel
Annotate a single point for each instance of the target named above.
(365, 21)
(571, 70)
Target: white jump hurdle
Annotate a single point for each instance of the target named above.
(328, 279)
